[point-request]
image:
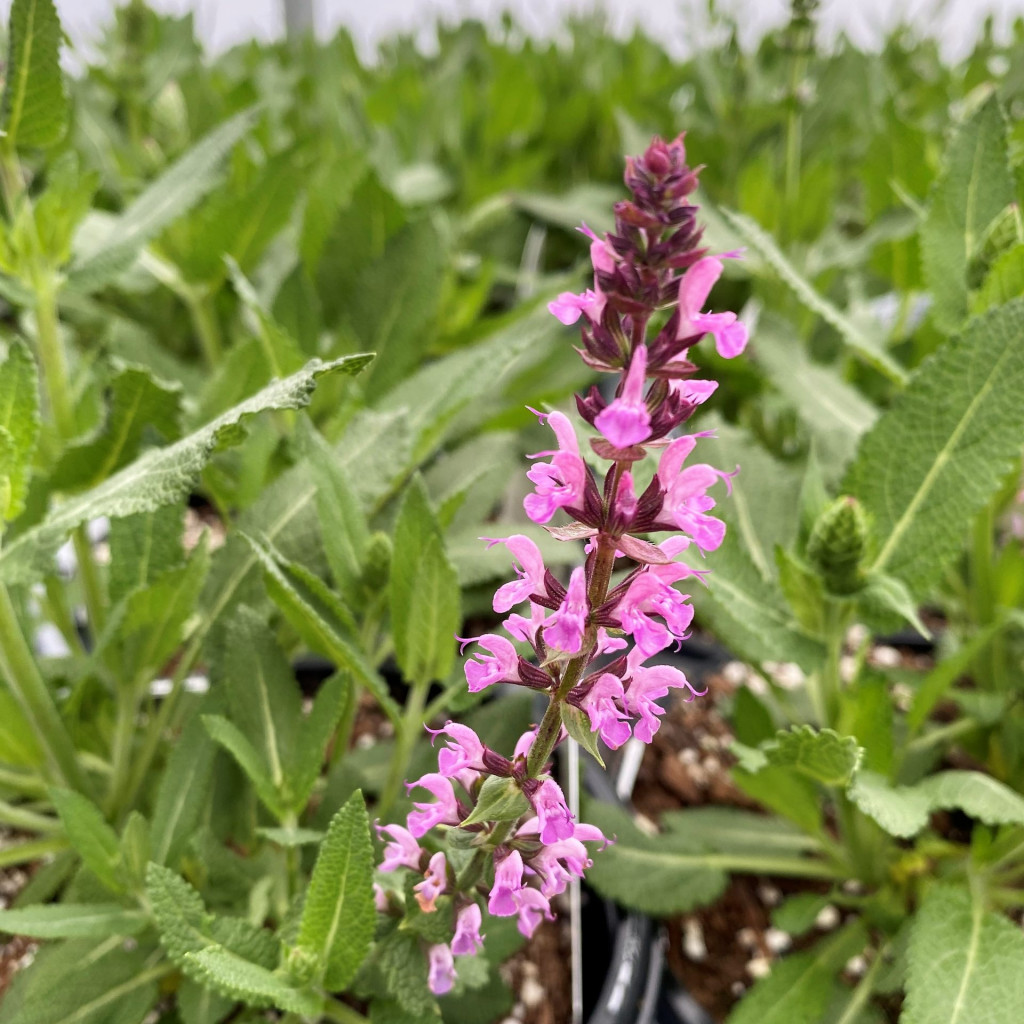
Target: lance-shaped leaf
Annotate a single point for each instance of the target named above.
(339, 917)
(161, 475)
(966, 964)
(251, 983)
(93, 839)
(73, 921)
(280, 349)
(142, 548)
(173, 194)
(19, 426)
(974, 185)
(823, 755)
(936, 456)
(137, 403)
(248, 758)
(35, 106)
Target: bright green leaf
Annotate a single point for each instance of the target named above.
(823, 755)
(73, 921)
(19, 425)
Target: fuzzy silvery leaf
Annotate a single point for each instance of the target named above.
(974, 185)
(315, 732)
(936, 456)
(73, 921)
(339, 916)
(966, 963)
(170, 196)
(35, 105)
(161, 475)
(142, 548)
(234, 976)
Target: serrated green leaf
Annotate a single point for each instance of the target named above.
(19, 425)
(237, 744)
(577, 725)
(974, 185)
(142, 547)
(173, 194)
(71, 921)
(401, 961)
(137, 403)
(315, 731)
(1004, 281)
(93, 839)
(956, 430)
(339, 916)
(904, 810)
(860, 344)
(160, 476)
(35, 106)
(281, 350)
(250, 983)
(823, 755)
(966, 964)
(800, 987)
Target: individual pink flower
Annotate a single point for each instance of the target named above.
(435, 878)
(565, 629)
(694, 287)
(626, 420)
(558, 863)
(441, 974)
(646, 685)
(462, 750)
(696, 392)
(501, 667)
(603, 705)
(380, 898)
(531, 906)
(404, 851)
(468, 939)
(568, 306)
(508, 880)
(523, 628)
(686, 500)
(559, 483)
(444, 812)
(553, 816)
(651, 594)
(530, 572)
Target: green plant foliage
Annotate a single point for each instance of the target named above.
(822, 755)
(19, 426)
(93, 839)
(70, 921)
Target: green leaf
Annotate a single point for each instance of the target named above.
(93, 839)
(904, 810)
(173, 194)
(251, 983)
(731, 830)
(282, 352)
(35, 106)
(339, 917)
(956, 433)
(161, 475)
(974, 185)
(966, 964)
(71, 921)
(797, 914)
(424, 590)
(401, 961)
(824, 755)
(500, 799)
(235, 742)
(291, 837)
(198, 1004)
(19, 426)
(860, 344)
(142, 548)
(1004, 281)
(577, 724)
(891, 595)
(801, 986)
(137, 403)
(315, 732)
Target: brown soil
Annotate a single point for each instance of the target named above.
(17, 951)
(539, 975)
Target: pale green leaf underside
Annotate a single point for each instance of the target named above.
(823, 755)
(932, 461)
(251, 983)
(160, 476)
(72, 921)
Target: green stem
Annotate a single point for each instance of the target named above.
(19, 669)
(992, 663)
(207, 328)
(121, 748)
(58, 612)
(408, 732)
(21, 783)
(51, 356)
(92, 589)
(33, 850)
(943, 734)
(342, 1014)
(22, 818)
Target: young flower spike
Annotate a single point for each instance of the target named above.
(497, 831)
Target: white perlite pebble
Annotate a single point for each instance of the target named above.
(687, 756)
(885, 657)
(777, 940)
(747, 938)
(786, 674)
(856, 635)
(759, 967)
(768, 894)
(531, 970)
(531, 992)
(857, 965)
(694, 947)
(737, 988)
(828, 918)
(847, 668)
(735, 673)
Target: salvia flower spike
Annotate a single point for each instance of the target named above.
(506, 822)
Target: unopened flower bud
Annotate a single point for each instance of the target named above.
(837, 545)
(378, 560)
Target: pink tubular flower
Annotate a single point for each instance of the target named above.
(564, 630)
(435, 878)
(531, 575)
(650, 594)
(463, 750)
(696, 392)
(603, 705)
(444, 812)
(467, 938)
(686, 500)
(531, 905)
(404, 851)
(568, 306)
(646, 686)
(626, 420)
(560, 482)
(553, 815)
(694, 287)
(508, 880)
(501, 667)
(441, 976)
(558, 863)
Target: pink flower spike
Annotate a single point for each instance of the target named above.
(508, 880)
(468, 939)
(531, 573)
(552, 813)
(433, 884)
(404, 851)
(566, 627)
(501, 667)
(531, 906)
(729, 333)
(626, 420)
(441, 976)
(696, 392)
(601, 257)
(463, 750)
(694, 288)
(559, 483)
(444, 812)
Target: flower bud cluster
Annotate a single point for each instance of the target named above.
(586, 640)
